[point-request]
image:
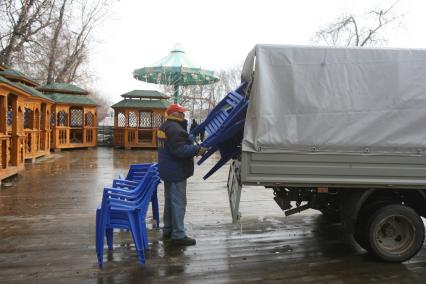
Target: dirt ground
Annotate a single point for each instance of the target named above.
(47, 233)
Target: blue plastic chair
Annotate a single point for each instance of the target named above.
(119, 212)
(132, 196)
(136, 173)
(126, 209)
(225, 128)
(132, 190)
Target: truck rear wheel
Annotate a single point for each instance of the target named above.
(395, 233)
(361, 232)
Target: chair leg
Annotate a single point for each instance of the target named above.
(100, 235)
(136, 234)
(218, 165)
(145, 236)
(143, 231)
(109, 237)
(98, 221)
(155, 210)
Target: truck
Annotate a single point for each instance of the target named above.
(342, 131)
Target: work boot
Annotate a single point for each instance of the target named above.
(185, 241)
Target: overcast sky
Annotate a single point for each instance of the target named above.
(219, 34)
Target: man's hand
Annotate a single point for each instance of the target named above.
(201, 151)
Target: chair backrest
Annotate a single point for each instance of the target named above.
(142, 202)
(216, 128)
(234, 102)
(218, 115)
(139, 190)
(137, 171)
(146, 180)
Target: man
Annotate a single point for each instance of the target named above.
(194, 125)
(175, 158)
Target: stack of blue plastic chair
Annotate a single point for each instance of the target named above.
(136, 173)
(125, 207)
(225, 128)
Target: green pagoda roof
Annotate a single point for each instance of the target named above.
(13, 74)
(71, 99)
(4, 80)
(130, 103)
(30, 90)
(176, 69)
(63, 88)
(149, 94)
(10, 83)
(33, 91)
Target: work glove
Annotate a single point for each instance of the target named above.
(201, 151)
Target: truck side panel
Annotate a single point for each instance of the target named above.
(334, 170)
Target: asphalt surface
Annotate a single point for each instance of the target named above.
(47, 233)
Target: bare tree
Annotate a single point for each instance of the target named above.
(200, 99)
(62, 50)
(20, 21)
(49, 39)
(53, 45)
(356, 30)
(77, 38)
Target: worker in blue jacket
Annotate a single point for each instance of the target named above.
(176, 153)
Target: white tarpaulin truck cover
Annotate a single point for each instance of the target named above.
(335, 100)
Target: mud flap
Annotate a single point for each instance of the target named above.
(234, 189)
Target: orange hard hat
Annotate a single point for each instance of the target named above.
(175, 108)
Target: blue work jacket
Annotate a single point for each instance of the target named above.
(176, 151)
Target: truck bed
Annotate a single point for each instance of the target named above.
(333, 170)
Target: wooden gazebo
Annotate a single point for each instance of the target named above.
(35, 113)
(137, 118)
(24, 127)
(73, 119)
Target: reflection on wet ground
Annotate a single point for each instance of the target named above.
(47, 233)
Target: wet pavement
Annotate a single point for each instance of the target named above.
(47, 233)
